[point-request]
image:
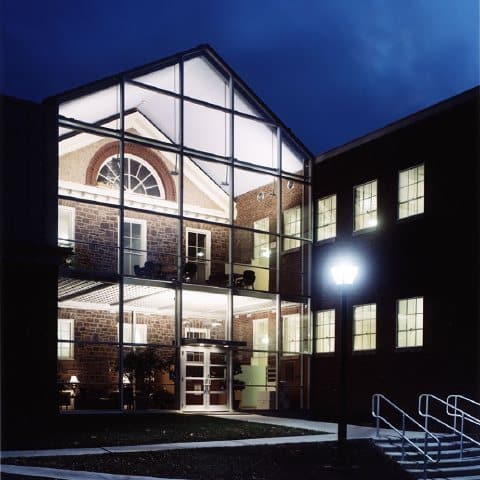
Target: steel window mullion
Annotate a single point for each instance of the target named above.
(279, 208)
(147, 142)
(203, 103)
(121, 246)
(79, 125)
(179, 290)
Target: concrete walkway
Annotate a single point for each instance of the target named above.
(329, 429)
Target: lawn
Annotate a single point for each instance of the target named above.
(312, 461)
(113, 430)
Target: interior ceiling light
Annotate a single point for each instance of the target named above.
(225, 182)
(175, 170)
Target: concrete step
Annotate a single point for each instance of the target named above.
(450, 465)
(447, 444)
(447, 472)
(444, 463)
(445, 454)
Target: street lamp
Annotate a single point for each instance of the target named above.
(344, 273)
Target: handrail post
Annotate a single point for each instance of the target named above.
(455, 413)
(403, 436)
(377, 399)
(461, 436)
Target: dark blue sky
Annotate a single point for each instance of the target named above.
(332, 70)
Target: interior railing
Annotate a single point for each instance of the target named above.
(377, 400)
(451, 407)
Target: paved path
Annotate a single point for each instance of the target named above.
(329, 429)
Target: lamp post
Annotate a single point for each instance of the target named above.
(344, 273)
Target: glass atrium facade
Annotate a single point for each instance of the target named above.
(184, 210)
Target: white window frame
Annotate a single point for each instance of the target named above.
(411, 191)
(142, 253)
(261, 242)
(325, 331)
(260, 338)
(66, 349)
(291, 323)
(208, 247)
(364, 329)
(69, 241)
(365, 206)
(410, 325)
(292, 228)
(140, 332)
(128, 159)
(327, 217)
(201, 330)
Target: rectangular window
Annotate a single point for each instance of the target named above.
(260, 334)
(65, 335)
(410, 322)
(292, 226)
(366, 206)
(291, 333)
(364, 327)
(196, 332)
(198, 252)
(327, 217)
(411, 191)
(66, 226)
(261, 243)
(137, 334)
(325, 331)
(135, 245)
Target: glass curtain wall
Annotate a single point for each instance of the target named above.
(184, 220)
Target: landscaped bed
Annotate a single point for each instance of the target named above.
(72, 431)
(282, 462)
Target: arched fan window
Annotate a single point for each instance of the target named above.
(139, 176)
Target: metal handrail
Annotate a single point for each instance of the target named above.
(376, 414)
(458, 412)
(467, 416)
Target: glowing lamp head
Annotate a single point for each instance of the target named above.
(344, 273)
(74, 380)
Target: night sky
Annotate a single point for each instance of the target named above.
(332, 70)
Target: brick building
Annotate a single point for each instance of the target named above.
(165, 260)
(181, 248)
(406, 207)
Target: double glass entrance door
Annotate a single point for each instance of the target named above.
(205, 379)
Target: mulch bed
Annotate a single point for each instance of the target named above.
(312, 461)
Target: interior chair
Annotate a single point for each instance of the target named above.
(149, 270)
(189, 271)
(249, 279)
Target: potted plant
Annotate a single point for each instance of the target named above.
(139, 366)
(238, 385)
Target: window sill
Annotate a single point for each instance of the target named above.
(365, 231)
(364, 352)
(325, 241)
(411, 218)
(409, 349)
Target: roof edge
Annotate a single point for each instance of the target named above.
(112, 79)
(204, 47)
(434, 109)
